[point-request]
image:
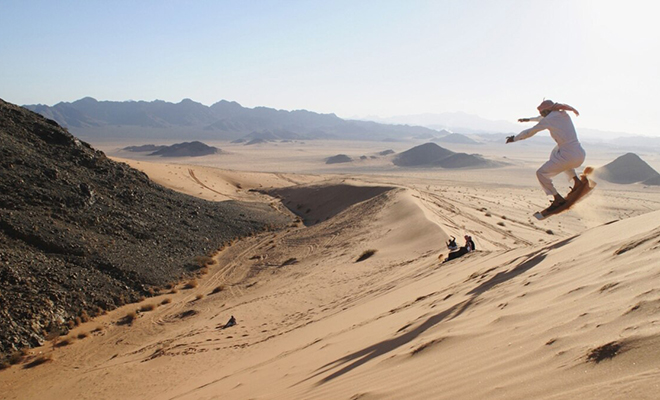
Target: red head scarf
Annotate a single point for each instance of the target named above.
(552, 106)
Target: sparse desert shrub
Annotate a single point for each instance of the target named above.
(605, 352)
(147, 307)
(500, 223)
(366, 254)
(174, 291)
(129, 318)
(84, 317)
(191, 284)
(487, 214)
(204, 260)
(218, 289)
(4, 365)
(503, 216)
(203, 270)
(199, 297)
(54, 336)
(16, 357)
(99, 328)
(65, 342)
(82, 335)
(169, 286)
(166, 301)
(44, 358)
(549, 232)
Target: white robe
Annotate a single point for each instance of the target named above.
(565, 157)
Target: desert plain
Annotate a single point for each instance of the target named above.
(563, 308)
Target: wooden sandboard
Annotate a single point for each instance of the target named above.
(571, 199)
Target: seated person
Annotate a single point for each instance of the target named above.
(469, 246)
(469, 243)
(451, 244)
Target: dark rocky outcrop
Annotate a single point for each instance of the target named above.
(186, 149)
(629, 168)
(80, 232)
(338, 159)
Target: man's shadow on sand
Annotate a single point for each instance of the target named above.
(376, 350)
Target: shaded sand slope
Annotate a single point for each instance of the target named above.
(575, 317)
(316, 203)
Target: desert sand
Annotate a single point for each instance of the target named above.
(563, 308)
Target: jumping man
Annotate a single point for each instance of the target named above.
(565, 157)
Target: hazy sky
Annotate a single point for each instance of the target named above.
(496, 59)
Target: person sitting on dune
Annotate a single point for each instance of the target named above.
(451, 244)
(469, 247)
(469, 243)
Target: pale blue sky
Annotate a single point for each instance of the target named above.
(497, 59)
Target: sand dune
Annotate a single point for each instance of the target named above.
(562, 309)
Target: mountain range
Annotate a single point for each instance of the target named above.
(93, 120)
(224, 120)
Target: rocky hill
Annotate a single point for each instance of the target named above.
(628, 168)
(80, 233)
(432, 155)
(338, 159)
(225, 120)
(186, 149)
(423, 154)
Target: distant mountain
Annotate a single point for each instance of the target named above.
(256, 141)
(453, 121)
(226, 120)
(432, 155)
(638, 141)
(456, 138)
(186, 149)
(629, 168)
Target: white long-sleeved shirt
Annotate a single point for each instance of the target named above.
(559, 124)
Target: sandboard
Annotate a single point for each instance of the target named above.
(573, 198)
